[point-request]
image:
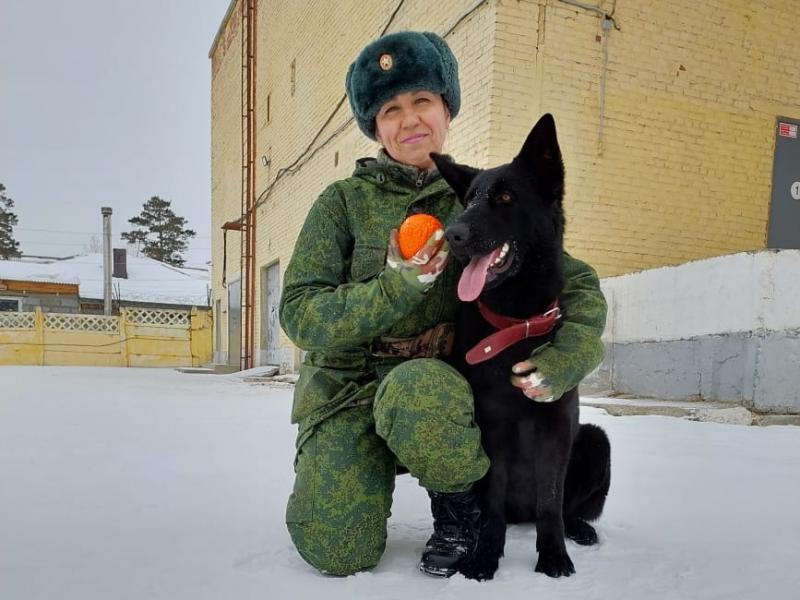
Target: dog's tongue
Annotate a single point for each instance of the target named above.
(473, 277)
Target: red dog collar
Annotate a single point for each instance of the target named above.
(511, 331)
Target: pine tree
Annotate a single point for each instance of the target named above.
(160, 231)
(9, 247)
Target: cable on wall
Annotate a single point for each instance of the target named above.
(606, 25)
(308, 154)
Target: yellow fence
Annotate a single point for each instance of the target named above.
(136, 338)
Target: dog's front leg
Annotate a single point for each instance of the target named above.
(483, 563)
(551, 460)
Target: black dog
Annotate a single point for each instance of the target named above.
(545, 467)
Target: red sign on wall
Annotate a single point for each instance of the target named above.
(787, 130)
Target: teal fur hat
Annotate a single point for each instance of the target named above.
(401, 62)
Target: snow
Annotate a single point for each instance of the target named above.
(148, 280)
(147, 483)
(40, 272)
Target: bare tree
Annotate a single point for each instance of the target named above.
(94, 245)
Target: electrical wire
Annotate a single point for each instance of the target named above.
(304, 155)
(595, 9)
(463, 17)
(308, 154)
(67, 231)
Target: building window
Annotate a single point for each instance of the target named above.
(293, 77)
(268, 115)
(9, 304)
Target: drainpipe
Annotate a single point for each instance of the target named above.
(237, 225)
(607, 24)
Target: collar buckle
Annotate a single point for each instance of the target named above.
(556, 309)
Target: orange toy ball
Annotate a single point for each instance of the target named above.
(415, 231)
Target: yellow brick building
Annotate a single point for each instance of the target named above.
(666, 115)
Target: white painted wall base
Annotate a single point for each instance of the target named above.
(725, 328)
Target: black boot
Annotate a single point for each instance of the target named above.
(456, 523)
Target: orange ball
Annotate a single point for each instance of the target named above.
(415, 231)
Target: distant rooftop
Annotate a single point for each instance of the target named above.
(148, 280)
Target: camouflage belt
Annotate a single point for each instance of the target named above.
(432, 343)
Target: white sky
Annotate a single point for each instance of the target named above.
(105, 103)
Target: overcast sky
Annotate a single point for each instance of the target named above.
(105, 103)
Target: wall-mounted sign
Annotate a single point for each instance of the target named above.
(795, 190)
(787, 130)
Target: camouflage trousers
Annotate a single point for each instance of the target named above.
(422, 418)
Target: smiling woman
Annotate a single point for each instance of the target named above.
(411, 125)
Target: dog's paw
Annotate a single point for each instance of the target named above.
(479, 570)
(580, 532)
(555, 564)
(482, 564)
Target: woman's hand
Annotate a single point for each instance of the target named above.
(531, 382)
(421, 269)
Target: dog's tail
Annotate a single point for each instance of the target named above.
(589, 474)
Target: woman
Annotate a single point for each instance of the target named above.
(374, 393)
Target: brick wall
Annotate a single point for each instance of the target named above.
(226, 158)
(687, 117)
(692, 93)
(333, 34)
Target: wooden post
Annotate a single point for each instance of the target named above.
(200, 332)
(123, 334)
(39, 324)
(193, 327)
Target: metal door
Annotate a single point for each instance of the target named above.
(270, 326)
(784, 216)
(235, 323)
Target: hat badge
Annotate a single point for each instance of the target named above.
(386, 61)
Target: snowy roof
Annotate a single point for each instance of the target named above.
(148, 280)
(26, 271)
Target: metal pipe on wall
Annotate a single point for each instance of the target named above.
(248, 218)
(106, 212)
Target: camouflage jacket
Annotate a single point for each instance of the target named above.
(337, 297)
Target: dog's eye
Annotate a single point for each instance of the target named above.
(504, 198)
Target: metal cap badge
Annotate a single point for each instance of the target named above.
(386, 61)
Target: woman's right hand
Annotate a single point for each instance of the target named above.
(421, 269)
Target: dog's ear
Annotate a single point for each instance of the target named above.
(458, 176)
(541, 156)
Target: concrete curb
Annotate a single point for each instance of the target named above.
(707, 412)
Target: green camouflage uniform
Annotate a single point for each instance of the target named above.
(360, 415)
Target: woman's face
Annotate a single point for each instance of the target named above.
(412, 125)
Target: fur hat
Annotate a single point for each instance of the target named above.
(401, 62)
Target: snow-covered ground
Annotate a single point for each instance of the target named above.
(149, 484)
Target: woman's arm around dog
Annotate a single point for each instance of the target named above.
(576, 349)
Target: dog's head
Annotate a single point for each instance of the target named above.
(512, 213)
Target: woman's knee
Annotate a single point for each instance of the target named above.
(338, 552)
(424, 410)
(344, 477)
